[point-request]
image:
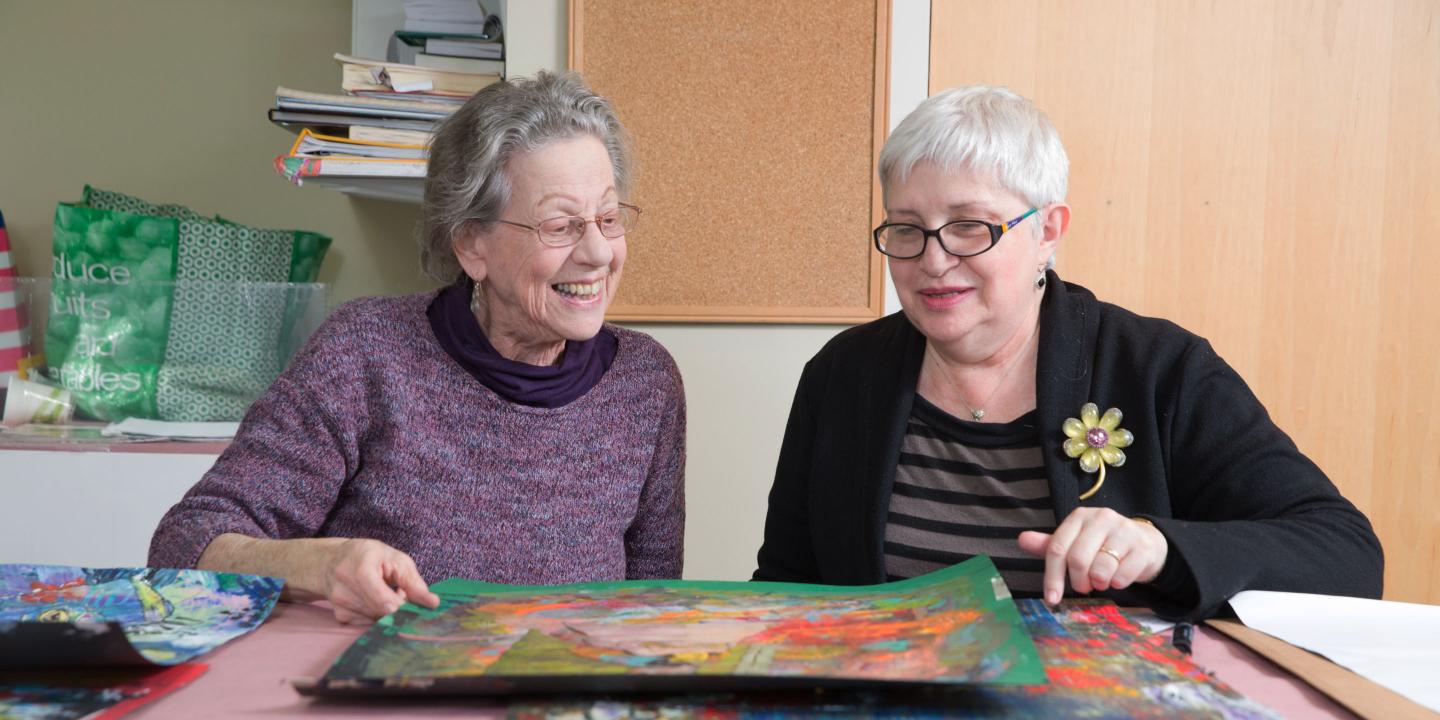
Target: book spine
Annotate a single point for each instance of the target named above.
(295, 168)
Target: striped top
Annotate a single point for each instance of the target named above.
(964, 489)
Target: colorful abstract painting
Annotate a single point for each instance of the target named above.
(1100, 666)
(167, 616)
(93, 696)
(954, 626)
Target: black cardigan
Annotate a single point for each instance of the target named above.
(1242, 507)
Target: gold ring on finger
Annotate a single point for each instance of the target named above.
(1111, 553)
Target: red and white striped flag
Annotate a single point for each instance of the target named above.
(14, 326)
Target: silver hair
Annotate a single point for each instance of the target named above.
(989, 130)
(466, 185)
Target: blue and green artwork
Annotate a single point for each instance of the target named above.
(57, 616)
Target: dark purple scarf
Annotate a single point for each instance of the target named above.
(581, 365)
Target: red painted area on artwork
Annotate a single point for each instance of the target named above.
(1079, 678)
(40, 592)
(1112, 615)
(1173, 659)
(824, 631)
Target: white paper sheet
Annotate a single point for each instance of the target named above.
(1393, 644)
(174, 430)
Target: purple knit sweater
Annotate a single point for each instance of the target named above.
(375, 432)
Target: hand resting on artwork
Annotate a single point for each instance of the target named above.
(496, 429)
(362, 579)
(1098, 549)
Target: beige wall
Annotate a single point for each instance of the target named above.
(166, 99)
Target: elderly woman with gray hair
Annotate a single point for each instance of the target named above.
(497, 429)
(987, 416)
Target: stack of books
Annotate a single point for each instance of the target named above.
(449, 35)
(372, 139)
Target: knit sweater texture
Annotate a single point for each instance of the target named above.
(375, 432)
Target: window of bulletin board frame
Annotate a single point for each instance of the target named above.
(757, 127)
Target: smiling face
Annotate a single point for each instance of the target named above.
(537, 296)
(978, 304)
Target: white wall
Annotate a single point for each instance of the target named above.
(739, 381)
(67, 508)
(536, 35)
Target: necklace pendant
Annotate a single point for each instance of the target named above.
(977, 414)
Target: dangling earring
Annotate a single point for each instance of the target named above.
(475, 301)
(1040, 279)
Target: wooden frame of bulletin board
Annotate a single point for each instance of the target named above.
(757, 128)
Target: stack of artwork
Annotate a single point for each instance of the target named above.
(1098, 664)
(78, 641)
(95, 695)
(948, 644)
(955, 626)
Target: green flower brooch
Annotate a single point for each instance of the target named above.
(1096, 440)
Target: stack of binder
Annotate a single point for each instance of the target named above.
(356, 143)
(372, 139)
(451, 34)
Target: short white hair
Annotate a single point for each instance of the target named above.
(988, 130)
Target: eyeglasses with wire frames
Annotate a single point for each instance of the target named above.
(961, 238)
(566, 230)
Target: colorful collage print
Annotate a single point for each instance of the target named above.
(954, 626)
(1099, 665)
(169, 616)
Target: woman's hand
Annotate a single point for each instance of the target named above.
(367, 579)
(1100, 549)
(362, 579)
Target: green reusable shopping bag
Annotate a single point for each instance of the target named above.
(222, 339)
(109, 314)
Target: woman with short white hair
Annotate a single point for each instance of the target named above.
(1007, 413)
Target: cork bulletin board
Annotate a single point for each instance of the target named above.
(757, 126)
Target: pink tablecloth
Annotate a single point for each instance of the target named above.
(250, 677)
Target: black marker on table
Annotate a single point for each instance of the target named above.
(1183, 636)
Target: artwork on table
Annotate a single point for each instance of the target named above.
(94, 696)
(1099, 664)
(958, 625)
(55, 616)
(1102, 664)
